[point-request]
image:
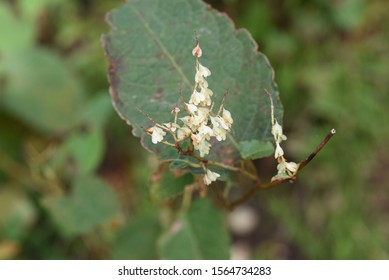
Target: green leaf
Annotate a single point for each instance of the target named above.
(198, 234)
(255, 149)
(170, 186)
(137, 240)
(10, 25)
(87, 149)
(41, 91)
(98, 110)
(91, 203)
(149, 52)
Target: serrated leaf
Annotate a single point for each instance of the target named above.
(170, 186)
(149, 52)
(137, 240)
(198, 234)
(91, 203)
(255, 149)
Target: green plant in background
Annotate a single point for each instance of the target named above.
(75, 184)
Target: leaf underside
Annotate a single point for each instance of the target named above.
(149, 52)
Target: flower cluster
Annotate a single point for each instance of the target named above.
(284, 168)
(200, 124)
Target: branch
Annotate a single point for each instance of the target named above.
(317, 150)
(274, 183)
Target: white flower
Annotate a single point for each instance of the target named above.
(201, 144)
(279, 151)
(203, 71)
(219, 127)
(277, 132)
(210, 176)
(287, 167)
(205, 132)
(197, 97)
(188, 121)
(220, 133)
(219, 122)
(191, 108)
(157, 134)
(207, 93)
(201, 117)
(183, 132)
(227, 117)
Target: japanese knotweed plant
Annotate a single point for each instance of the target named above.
(209, 126)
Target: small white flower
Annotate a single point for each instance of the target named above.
(292, 167)
(201, 144)
(289, 168)
(210, 176)
(227, 117)
(205, 132)
(277, 132)
(219, 122)
(220, 133)
(183, 132)
(204, 71)
(207, 93)
(279, 151)
(197, 97)
(191, 108)
(201, 117)
(188, 121)
(157, 134)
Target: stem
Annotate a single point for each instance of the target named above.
(318, 149)
(246, 196)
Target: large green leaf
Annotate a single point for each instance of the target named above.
(200, 233)
(149, 52)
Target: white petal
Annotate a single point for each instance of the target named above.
(279, 151)
(157, 135)
(227, 117)
(183, 132)
(191, 108)
(292, 166)
(210, 176)
(205, 131)
(204, 71)
(196, 97)
(220, 133)
(276, 129)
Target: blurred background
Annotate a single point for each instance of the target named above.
(73, 181)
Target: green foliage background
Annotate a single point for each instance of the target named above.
(74, 183)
